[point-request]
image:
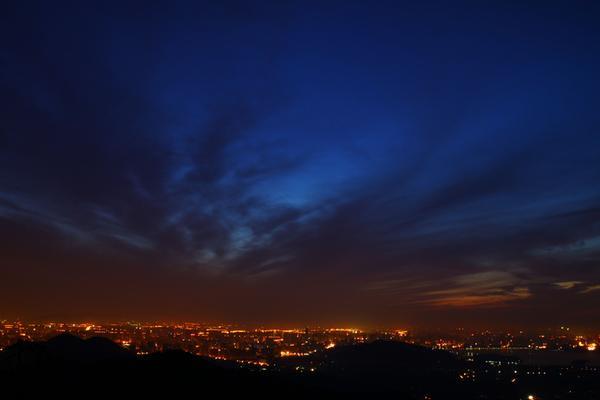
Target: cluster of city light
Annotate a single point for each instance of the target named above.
(288, 353)
(583, 343)
(260, 346)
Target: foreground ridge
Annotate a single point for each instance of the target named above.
(68, 364)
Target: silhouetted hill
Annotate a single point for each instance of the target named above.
(383, 367)
(386, 356)
(64, 349)
(66, 362)
(69, 367)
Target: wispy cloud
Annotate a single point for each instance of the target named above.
(583, 246)
(566, 285)
(585, 287)
(479, 289)
(495, 297)
(591, 288)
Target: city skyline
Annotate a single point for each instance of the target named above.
(397, 164)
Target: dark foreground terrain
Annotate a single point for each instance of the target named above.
(69, 367)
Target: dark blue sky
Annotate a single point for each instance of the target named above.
(372, 164)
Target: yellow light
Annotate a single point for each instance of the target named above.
(591, 347)
(531, 397)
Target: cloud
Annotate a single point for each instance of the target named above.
(479, 289)
(490, 298)
(566, 285)
(591, 288)
(580, 247)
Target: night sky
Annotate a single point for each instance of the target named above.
(339, 163)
